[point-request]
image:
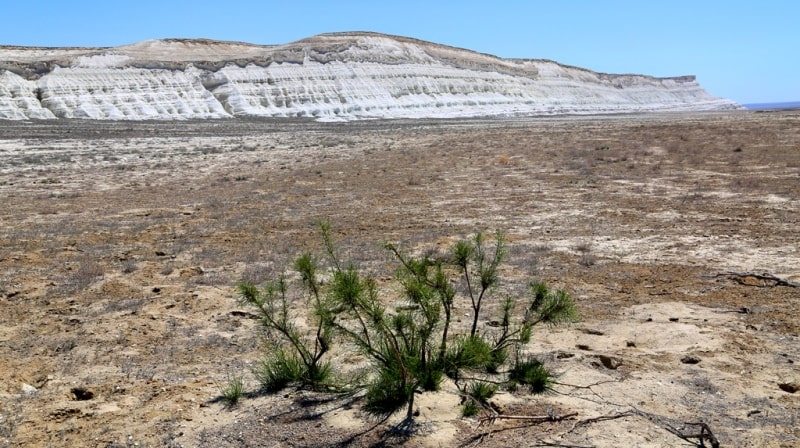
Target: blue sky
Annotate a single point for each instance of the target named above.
(748, 51)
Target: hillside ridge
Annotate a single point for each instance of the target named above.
(331, 76)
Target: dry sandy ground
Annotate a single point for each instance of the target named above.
(120, 244)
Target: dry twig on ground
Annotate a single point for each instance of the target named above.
(529, 418)
(768, 280)
(705, 434)
(599, 418)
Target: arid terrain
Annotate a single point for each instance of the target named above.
(677, 235)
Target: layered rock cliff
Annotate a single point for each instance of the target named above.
(333, 77)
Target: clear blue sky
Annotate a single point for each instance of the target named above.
(748, 51)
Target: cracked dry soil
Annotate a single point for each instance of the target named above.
(120, 245)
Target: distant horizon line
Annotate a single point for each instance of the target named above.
(789, 105)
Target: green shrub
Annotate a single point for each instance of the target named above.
(481, 391)
(410, 346)
(470, 408)
(466, 352)
(551, 307)
(477, 397)
(281, 369)
(497, 357)
(387, 393)
(531, 372)
(233, 391)
(278, 370)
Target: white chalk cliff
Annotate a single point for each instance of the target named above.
(18, 99)
(339, 76)
(126, 94)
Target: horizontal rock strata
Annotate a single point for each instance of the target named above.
(330, 77)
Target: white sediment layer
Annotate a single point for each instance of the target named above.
(18, 99)
(127, 94)
(329, 77)
(352, 90)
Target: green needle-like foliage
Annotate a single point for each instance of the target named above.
(412, 344)
(280, 368)
(551, 307)
(477, 397)
(532, 372)
(481, 391)
(474, 262)
(467, 352)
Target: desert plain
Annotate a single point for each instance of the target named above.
(677, 235)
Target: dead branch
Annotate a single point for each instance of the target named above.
(705, 434)
(562, 445)
(739, 277)
(599, 418)
(529, 418)
(588, 386)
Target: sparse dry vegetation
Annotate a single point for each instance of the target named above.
(121, 243)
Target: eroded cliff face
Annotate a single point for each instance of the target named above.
(127, 94)
(18, 99)
(330, 77)
(366, 90)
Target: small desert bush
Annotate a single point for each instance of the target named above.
(81, 277)
(282, 368)
(257, 273)
(470, 408)
(481, 391)
(411, 346)
(294, 346)
(587, 258)
(233, 391)
(530, 372)
(477, 397)
(128, 266)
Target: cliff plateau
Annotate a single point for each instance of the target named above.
(339, 76)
